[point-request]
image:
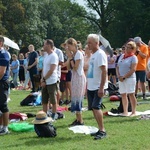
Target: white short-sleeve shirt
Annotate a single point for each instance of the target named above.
(48, 61)
(79, 56)
(98, 59)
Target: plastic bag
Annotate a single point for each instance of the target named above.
(21, 127)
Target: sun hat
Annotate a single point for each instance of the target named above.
(41, 118)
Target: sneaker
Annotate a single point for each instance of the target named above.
(67, 102)
(94, 134)
(61, 102)
(3, 132)
(54, 116)
(73, 123)
(79, 123)
(100, 135)
(76, 123)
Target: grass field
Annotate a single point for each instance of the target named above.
(123, 133)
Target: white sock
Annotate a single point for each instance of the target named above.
(1, 126)
(5, 128)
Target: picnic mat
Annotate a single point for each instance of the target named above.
(83, 129)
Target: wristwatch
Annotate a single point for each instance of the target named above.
(124, 78)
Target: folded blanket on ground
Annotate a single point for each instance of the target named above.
(83, 129)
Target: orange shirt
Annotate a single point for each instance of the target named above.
(148, 53)
(142, 62)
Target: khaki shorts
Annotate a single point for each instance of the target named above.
(49, 93)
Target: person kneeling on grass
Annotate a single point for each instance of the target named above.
(43, 126)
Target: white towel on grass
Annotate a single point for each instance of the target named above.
(83, 129)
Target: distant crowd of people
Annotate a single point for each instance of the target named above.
(66, 77)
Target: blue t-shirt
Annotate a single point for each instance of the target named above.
(40, 63)
(4, 61)
(14, 64)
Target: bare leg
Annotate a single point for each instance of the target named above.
(99, 118)
(143, 87)
(5, 118)
(79, 117)
(58, 97)
(54, 108)
(1, 120)
(45, 107)
(136, 88)
(114, 79)
(125, 104)
(67, 93)
(133, 103)
(68, 85)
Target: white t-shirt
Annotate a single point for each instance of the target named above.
(99, 58)
(79, 56)
(48, 61)
(61, 59)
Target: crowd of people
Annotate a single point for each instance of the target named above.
(76, 73)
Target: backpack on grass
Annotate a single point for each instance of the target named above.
(45, 130)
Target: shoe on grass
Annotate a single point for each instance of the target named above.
(67, 102)
(73, 123)
(100, 135)
(61, 102)
(4, 132)
(95, 133)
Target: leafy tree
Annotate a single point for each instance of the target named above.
(67, 21)
(12, 17)
(2, 9)
(128, 20)
(119, 20)
(103, 14)
(33, 30)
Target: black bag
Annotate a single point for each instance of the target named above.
(45, 130)
(120, 107)
(29, 100)
(112, 89)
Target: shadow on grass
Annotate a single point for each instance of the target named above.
(33, 140)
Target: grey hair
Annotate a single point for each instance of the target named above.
(95, 37)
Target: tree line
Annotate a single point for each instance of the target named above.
(32, 21)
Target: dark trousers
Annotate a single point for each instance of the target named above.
(4, 86)
(33, 72)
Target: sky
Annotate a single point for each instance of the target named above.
(81, 2)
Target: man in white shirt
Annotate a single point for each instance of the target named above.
(50, 77)
(96, 82)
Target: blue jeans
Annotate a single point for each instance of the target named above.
(15, 77)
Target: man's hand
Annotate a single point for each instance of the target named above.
(43, 84)
(101, 92)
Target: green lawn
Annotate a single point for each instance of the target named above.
(124, 133)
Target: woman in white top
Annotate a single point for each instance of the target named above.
(78, 81)
(127, 79)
